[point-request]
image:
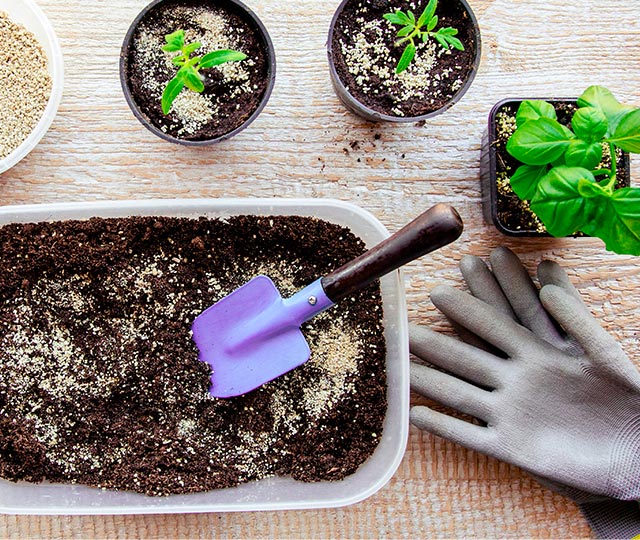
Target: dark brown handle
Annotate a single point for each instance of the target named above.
(437, 227)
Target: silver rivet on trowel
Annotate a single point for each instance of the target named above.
(313, 300)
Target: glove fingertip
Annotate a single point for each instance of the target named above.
(470, 265)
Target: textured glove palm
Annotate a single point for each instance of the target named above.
(562, 404)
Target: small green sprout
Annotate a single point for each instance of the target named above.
(189, 73)
(421, 29)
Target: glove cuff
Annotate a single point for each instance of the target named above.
(624, 473)
(613, 519)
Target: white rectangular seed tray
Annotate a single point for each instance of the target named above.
(268, 494)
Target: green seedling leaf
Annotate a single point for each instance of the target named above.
(558, 202)
(602, 98)
(590, 124)
(405, 31)
(441, 39)
(188, 74)
(171, 91)
(589, 189)
(175, 39)
(216, 58)
(455, 43)
(428, 14)
(396, 18)
(534, 109)
(618, 221)
(191, 48)
(627, 132)
(525, 180)
(420, 29)
(406, 58)
(583, 154)
(169, 47)
(539, 142)
(191, 79)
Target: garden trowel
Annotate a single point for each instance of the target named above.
(253, 335)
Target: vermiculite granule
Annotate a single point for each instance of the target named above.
(25, 84)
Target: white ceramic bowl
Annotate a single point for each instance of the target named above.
(272, 493)
(27, 13)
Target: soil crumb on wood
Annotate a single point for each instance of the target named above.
(25, 84)
(100, 382)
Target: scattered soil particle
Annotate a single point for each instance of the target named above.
(25, 84)
(513, 213)
(100, 382)
(233, 91)
(365, 57)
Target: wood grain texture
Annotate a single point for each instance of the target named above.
(306, 145)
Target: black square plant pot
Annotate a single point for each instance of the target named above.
(501, 205)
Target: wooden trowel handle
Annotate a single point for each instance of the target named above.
(437, 227)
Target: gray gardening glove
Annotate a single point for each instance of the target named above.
(562, 404)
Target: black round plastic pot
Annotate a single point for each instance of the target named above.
(359, 108)
(489, 168)
(234, 6)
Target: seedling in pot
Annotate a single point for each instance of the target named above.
(562, 172)
(420, 29)
(189, 67)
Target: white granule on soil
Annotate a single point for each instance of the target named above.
(191, 110)
(25, 84)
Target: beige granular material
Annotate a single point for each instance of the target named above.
(25, 84)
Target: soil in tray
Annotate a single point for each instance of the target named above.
(366, 56)
(233, 91)
(100, 381)
(513, 213)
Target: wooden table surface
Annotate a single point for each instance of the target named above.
(306, 145)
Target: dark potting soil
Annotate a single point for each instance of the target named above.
(233, 91)
(513, 213)
(100, 382)
(365, 57)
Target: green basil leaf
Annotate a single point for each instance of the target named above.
(405, 59)
(558, 202)
(531, 109)
(539, 142)
(524, 181)
(618, 221)
(171, 91)
(216, 58)
(627, 132)
(583, 154)
(427, 14)
(602, 98)
(590, 124)
(589, 189)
